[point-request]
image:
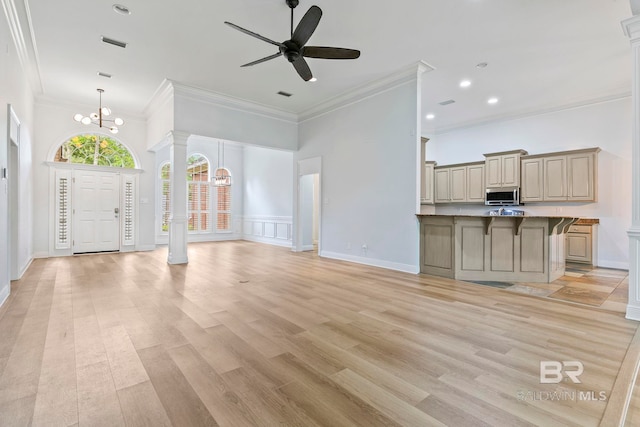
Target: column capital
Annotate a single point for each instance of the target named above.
(177, 137)
(631, 27)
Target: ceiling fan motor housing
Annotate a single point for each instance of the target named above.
(290, 50)
(292, 3)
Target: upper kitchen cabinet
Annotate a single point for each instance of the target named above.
(463, 183)
(503, 169)
(426, 189)
(569, 176)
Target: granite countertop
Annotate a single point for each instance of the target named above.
(587, 221)
(508, 216)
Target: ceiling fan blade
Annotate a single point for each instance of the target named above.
(302, 68)
(252, 34)
(307, 26)
(330, 52)
(267, 58)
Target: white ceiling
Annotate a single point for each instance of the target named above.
(542, 54)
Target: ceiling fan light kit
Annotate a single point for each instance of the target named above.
(294, 49)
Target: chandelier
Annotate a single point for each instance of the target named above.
(221, 176)
(99, 119)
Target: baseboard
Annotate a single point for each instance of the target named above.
(25, 268)
(389, 265)
(37, 255)
(307, 247)
(268, 241)
(145, 248)
(617, 265)
(4, 293)
(633, 312)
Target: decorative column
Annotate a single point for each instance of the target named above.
(632, 30)
(178, 208)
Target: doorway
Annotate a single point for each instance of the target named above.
(309, 217)
(96, 208)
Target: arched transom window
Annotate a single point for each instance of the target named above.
(95, 149)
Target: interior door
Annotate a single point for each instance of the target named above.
(96, 211)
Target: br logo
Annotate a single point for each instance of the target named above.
(553, 372)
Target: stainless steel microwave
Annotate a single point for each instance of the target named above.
(502, 196)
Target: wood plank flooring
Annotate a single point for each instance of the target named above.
(254, 335)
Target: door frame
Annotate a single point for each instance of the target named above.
(311, 166)
(13, 184)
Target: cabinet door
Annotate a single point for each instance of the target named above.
(581, 177)
(426, 193)
(458, 190)
(531, 185)
(493, 172)
(442, 185)
(555, 178)
(475, 183)
(510, 170)
(578, 247)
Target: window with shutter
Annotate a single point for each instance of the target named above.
(62, 215)
(223, 209)
(198, 205)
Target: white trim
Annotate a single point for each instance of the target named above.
(163, 95)
(307, 248)
(4, 293)
(145, 248)
(360, 93)
(203, 95)
(616, 265)
(96, 168)
(25, 268)
(24, 42)
(532, 112)
(267, 241)
(633, 312)
(389, 265)
(41, 255)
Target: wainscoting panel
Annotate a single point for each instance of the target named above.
(274, 230)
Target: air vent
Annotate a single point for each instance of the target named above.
(121, 9)
(101, 74)
(113, 42)
(287, 94)
(447, 102)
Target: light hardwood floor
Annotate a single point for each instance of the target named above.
(253, 335)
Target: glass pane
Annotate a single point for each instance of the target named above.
(94, 149)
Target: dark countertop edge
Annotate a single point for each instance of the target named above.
(506, 216)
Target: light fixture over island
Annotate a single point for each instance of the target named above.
(493, 248)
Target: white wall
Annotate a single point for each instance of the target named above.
(15, 90)
(55, 125)
(368, 180)
(606, 125)
(233, 161)
(268, 195)
(198, 115)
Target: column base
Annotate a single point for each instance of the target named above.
(178, 241)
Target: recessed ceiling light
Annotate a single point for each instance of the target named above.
(313, 79)
(431, 116)
(481, 65)
(492, 100)
(465, 83)
(121, 9)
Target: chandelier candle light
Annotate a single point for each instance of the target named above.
(99, 119)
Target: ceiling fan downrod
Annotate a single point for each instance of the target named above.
(292, 5)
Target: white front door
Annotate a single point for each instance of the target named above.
(96, 206)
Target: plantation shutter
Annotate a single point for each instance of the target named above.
(128, 210)
(62, 209)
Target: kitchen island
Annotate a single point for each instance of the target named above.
(493, 248)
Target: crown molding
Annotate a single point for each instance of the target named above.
(407, 74)
(631, 27)
(163, 94)
(524, 114)
(207, 96)
(25, 43)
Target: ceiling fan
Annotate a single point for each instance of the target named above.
(294, 49)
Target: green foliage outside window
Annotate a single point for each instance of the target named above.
(95, 150)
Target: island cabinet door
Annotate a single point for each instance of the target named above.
(437, 246)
